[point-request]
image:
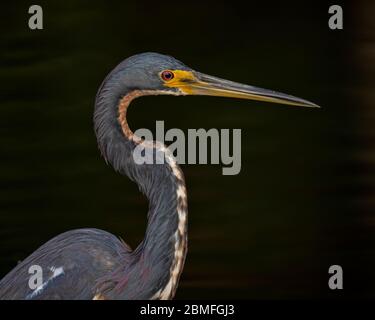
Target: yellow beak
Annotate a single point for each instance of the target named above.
(196, 83)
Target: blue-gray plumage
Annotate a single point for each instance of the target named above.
(93, 264)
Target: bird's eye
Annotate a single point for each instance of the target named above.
(167, 75)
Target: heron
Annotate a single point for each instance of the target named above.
(92, 264)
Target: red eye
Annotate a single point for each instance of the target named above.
(167, 75)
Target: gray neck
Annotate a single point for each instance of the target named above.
(158, 261)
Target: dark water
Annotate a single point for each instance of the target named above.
(304, 199)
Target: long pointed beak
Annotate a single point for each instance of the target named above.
(202, 84)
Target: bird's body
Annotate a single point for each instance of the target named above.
(90, 253)
(93, 264)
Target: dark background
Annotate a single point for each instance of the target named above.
(304, 199)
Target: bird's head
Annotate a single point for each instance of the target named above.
(164, 74)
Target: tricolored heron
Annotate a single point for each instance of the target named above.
(94, 264)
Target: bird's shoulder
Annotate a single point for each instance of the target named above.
(68, 266)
